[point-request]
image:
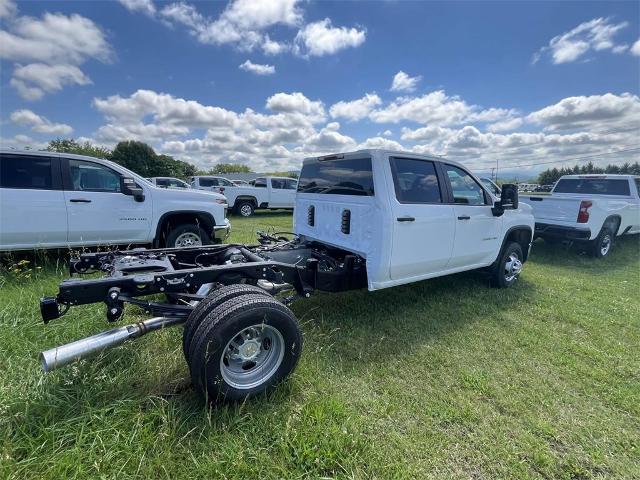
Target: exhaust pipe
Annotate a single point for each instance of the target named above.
(87, 347)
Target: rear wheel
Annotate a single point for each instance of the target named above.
(603, 243)
(208, 304)
(509, 266)
(245, 346)
(245, 208)
(187, 235)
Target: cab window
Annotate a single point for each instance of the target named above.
(277, 183)
(415, 181)
(290, 184)
(260, 182)
(464, 188)
(93, 177)
(19, 171)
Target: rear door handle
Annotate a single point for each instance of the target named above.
(405, 219)
(80, 200)
(464, 217)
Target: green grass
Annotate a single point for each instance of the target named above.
(440, 379)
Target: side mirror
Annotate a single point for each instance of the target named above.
(508, 199)
(129, 187)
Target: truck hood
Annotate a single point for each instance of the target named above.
(186, 195)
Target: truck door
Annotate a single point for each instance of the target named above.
(97, 210)
(279, 195)
(32, 208)
(424, 225)
(477, 230)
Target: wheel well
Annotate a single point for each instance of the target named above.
(613, 219)
(246, 199)
(171, 220)
(521, 236)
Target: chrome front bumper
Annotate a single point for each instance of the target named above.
(221, 232)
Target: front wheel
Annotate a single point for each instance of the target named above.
(244, 347)
(509, 266)
(187, 235)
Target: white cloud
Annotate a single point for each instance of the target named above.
(144, 6)
(381, 143)
(8, 8)
(242, 23)
(321, 38)
(506, 125)
(436, 108)
(404, 83)
(597, 35)
(272, 47)
(258, 69)
(295, 103)
(635, 48)
(602, 111)
(35, 79)
(39, 124)
(53, 48)
(355, 109)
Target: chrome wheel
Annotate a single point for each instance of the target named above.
(252, 356)
(246, 210)
(512, 267)
(188, 239)
(605, 245)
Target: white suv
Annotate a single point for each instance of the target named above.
(56, 200)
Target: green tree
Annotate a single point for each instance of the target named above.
(69, 145)
(222, 168)
(138, 157)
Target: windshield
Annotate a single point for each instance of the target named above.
(337, 177)
(593, 186)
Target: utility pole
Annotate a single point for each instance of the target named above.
(494, 178)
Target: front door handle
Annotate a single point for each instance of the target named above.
(464, 217)
(80, 200)
(405, 219)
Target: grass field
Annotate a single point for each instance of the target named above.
(445, 378)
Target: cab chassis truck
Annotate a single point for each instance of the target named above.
(354, 215)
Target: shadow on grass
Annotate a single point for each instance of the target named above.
(572, 257)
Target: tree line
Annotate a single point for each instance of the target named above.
(551, 175)
(142, 159)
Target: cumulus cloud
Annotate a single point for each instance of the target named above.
(144, 6)
(258, 69)
(595, 110)
(506, 125)
(38, 123)
(273, 47)
(48, 52)
(7, 8)
(296, 103)
(404, 83)
(635, 48)
(595, 35)
(321, 38)
(355, 109)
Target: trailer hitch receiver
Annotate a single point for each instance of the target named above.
(49, 309)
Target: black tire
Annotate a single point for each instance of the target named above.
(185, 233)
(502, 275)
(601, 246)
(211, 348)
(245, 208)
(209, 303)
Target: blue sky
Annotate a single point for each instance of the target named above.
(523, 83)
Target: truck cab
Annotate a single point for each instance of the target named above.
(412, 217)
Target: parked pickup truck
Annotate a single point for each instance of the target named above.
(592, 209)
(265, 192)
(55, 200)
(169, 182)
(367, 219)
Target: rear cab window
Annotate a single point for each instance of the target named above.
(337, 176)
(27, 172)
(593, 186)
(415, 181)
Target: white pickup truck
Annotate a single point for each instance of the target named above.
(369, 218)
(55, 200)
(591, 209)
(264, 193)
